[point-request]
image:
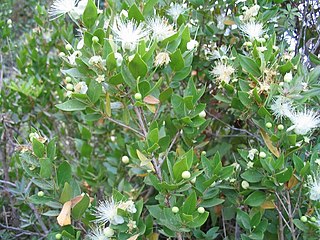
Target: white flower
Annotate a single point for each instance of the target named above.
(192, 44)
(313, 183)
(220, 21)
(100, 78)
(304, 121)
(262, 49)
(253, 30)
(95, 60)
(250, 165)
(287, 77)
(129, 33)
(131, 225)
(128, 206)
(222, 72)
(175, 10)
(97, 234)
(161, 59)
(160, 28)
(81, 87)
(317, 161)
(251, 153)
(251, 12)
(61, 7)
(107, 212)
(282, 107)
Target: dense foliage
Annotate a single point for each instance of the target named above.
(157, 120)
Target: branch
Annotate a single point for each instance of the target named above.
(24, 232)
(125, 126)
(169, 149)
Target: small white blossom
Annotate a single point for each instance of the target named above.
(287, 77)
(253, 30)
(282, 107)
(131, 225)
(250, 165)
(118, 58)
(100, 78)
(160, 28)
(97, 234)
(81, 87)
(313, 183)
(175, 10)
(128, 206)
(95, 60)
(220, 21)
(304, 121)
(222, 72)
(251, 12)
(192, 44)
(251, 153)
(129, 33)
(107, 212)
(61, 7)
(161, 59)
(262, 49)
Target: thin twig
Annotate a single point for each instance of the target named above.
(25, 232)
(292, 229)
(41, 223)
(125, 126)
(280, 200)
(169, 148)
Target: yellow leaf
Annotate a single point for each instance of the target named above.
(151, 100)
(133, 237)
(269, 144)
(268, 205)
(145, 161)
(153, 236)
(64, 216)
(229, 22)
(151, 108)
(108, 105)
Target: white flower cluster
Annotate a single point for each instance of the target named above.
(74, 8)
(303, 122)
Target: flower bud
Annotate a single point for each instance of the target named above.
(269, 125)
(68, 47)
(69, 86)
(245, 185)
(58, 236)
(304, 219)
(68, 79)
(62, 54)
(186, 175)
(192, 44)
(262, 154)
(193, 180)
(175, 209)
(138, 96)
(108, 232)
(40, 194)
(95, 39)
(125, 159)
(201, 210)
(202, 114)
(287, 77)
(280, 127)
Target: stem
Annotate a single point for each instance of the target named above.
(292, 229)
(125, 126)
(41, 223)
(281, 227)
(169, 149)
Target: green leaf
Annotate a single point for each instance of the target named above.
(38, 148)
(199, 220)
(134, 13)
(64, 173)
(116, 79)
(138, 67)
(285, 67)
(244, 98)
(177, 61)
(79, 209)
(190, 204)
(66, 194)
(243, 219)
(51, 149)
(72, 105)
(45, 167)
(90, 14)
(165, 95)
(252, 176)
(249, 65)
(284, 175)
(255, 199)
(94, 91)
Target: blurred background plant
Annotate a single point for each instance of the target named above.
(245, 177)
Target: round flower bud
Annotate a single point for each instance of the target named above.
(280, 127)
(40, 194)
(202, 114)
(248, 44)
(261, 40)
(58, 236)
(269, 125)
(192, 44)
(304, 219)
(69, 86)
(62, 54)
(287, 77)
(175, 209)
(68, 47)
(186, 175)
(201, 210)
(9, 21)
(203, 153)
(193, 180)
(95, 39)
(281, 84)
(262, 154)
(138, 96)
(68, 79)
(245, 185)
(313, 219)
(108, 232)
(125, 159)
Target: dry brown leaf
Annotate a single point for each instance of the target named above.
(229, 22)
(269, 144)
(151, 100)
(64, 217)
(292, 182)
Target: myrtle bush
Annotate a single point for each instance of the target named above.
(158, 120)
